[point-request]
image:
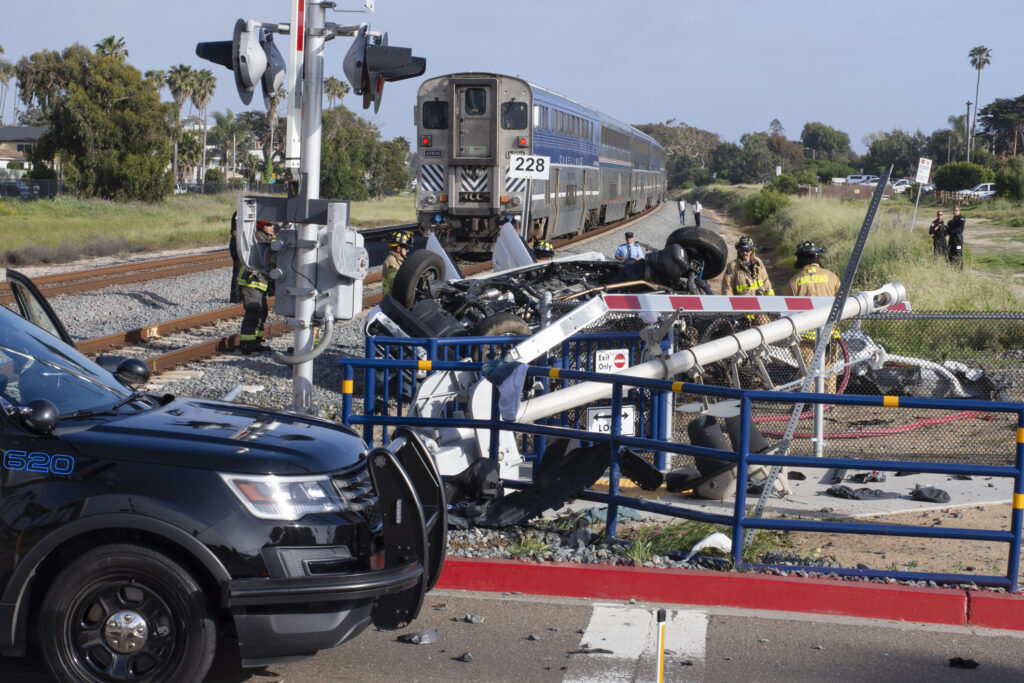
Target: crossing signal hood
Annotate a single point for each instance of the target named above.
(252, 56)
(371, 62)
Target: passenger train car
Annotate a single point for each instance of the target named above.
(472, 125)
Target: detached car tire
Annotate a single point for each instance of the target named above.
(126, 612)
(412, 281)
(709, 244)
(497, 325)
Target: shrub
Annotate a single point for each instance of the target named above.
(762, 205)
(783, 184)
(962, 174)
(1010, 179)
(215, 175)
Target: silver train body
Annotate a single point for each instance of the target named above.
(471, 126)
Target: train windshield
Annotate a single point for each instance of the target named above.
(476, 101)
(435, 115)
(513, 115)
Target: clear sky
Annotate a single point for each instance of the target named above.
(729, 66)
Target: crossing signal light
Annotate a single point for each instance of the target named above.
(252, 56)
(371, 62)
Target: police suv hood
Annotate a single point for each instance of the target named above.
(226, 437)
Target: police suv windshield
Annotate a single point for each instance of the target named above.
(35, 364)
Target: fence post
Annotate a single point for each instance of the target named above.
(495, 419)
(613, 469)
(346, 395)
(369, 389)
(1017, 511)
(740, 509)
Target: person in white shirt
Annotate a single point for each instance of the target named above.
(696, 213)
(682, 211)
(629, 251)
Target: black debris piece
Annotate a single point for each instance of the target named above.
(962, 477)
(929, 494)
(591, 651)
(639, 471)
(419, 638)
(841, 491)
(464, 657)
(867, 477)
(533, 636)
(473, 619)
(961, 663)
(794, 475)
(906, 474)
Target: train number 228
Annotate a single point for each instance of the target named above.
(43, 463)
(528, 164)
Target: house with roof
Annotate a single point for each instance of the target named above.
(15, 144)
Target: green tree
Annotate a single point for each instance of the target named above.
(229, 134)
(901, 149)
(6, 75)
(980, 57)
(687, 149)
(112, 46)
(827, 142)
(758, 164)
(385, 166)
(726, 161)
(204, 84)
(1010, 179)
(960, 175)
(1003, 119)
(106, 126)
(179, 82)
(335, 89)
(273, 104)
(157, 78)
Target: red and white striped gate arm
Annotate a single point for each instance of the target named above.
(669, 303)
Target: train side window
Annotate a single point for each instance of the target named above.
(476, 101)
(536, 115)
(513, 115)
(435, 115)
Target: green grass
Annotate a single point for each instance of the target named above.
(65, 228)
(531, 545)
(648, 539)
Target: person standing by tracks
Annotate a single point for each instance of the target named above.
(937, 230)
(697, 209)
(813, 280)
(682, 211)
(254, 285)
(628, 250)
(955, 232)
(235, 294)
(400, 243)
(746, 275)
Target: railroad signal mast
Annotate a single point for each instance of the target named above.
(321, 260)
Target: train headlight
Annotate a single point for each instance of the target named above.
(516, 201)
(430, 199)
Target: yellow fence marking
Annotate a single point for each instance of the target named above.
(1020, 434)
(346, 386)
(891, 401)
(677, 387)
(424, 365)
(1018, 501)
(553, 373)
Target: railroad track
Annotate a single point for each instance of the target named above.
(104, 277)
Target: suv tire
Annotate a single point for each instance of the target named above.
(412, 281)
(111, 588)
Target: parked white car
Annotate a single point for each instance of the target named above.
(979, 191)
(901, 185)
(861, 179)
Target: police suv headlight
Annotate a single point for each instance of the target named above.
(284, 498)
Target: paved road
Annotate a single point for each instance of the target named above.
(702, 645)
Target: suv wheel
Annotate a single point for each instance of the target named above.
(125, 612)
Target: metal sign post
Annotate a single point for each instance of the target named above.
(924, 169)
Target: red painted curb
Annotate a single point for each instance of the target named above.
(725, 589)
(996, 610)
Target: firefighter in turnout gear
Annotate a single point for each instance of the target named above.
(400, 243)
(746, 275)
(543, 251)
(254, 284)
(813, 280)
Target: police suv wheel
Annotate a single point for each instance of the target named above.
(710, 245)
(125, 613)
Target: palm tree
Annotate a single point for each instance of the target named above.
(957, 134)
(335, 89)
(157, 78)
(228, 133)
(112, 46)
(203, 85)
(6, 74)
(273, 102)
(980, 58)
(179, 82)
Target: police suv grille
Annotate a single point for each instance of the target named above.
(356, 490)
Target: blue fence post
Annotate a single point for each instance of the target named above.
(740, 511)
(661, 400)
(495, 419)
(346, 395)
(369, 389)
(613, 469)
(1017, 514)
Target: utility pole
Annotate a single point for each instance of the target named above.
(967, 124)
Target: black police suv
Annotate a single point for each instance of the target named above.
(139, 531)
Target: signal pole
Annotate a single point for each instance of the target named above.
(321, 259)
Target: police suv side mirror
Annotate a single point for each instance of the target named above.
(128, 370)
(39, 416)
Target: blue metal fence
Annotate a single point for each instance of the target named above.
(738, 521)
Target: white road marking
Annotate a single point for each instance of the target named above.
(632, 636)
